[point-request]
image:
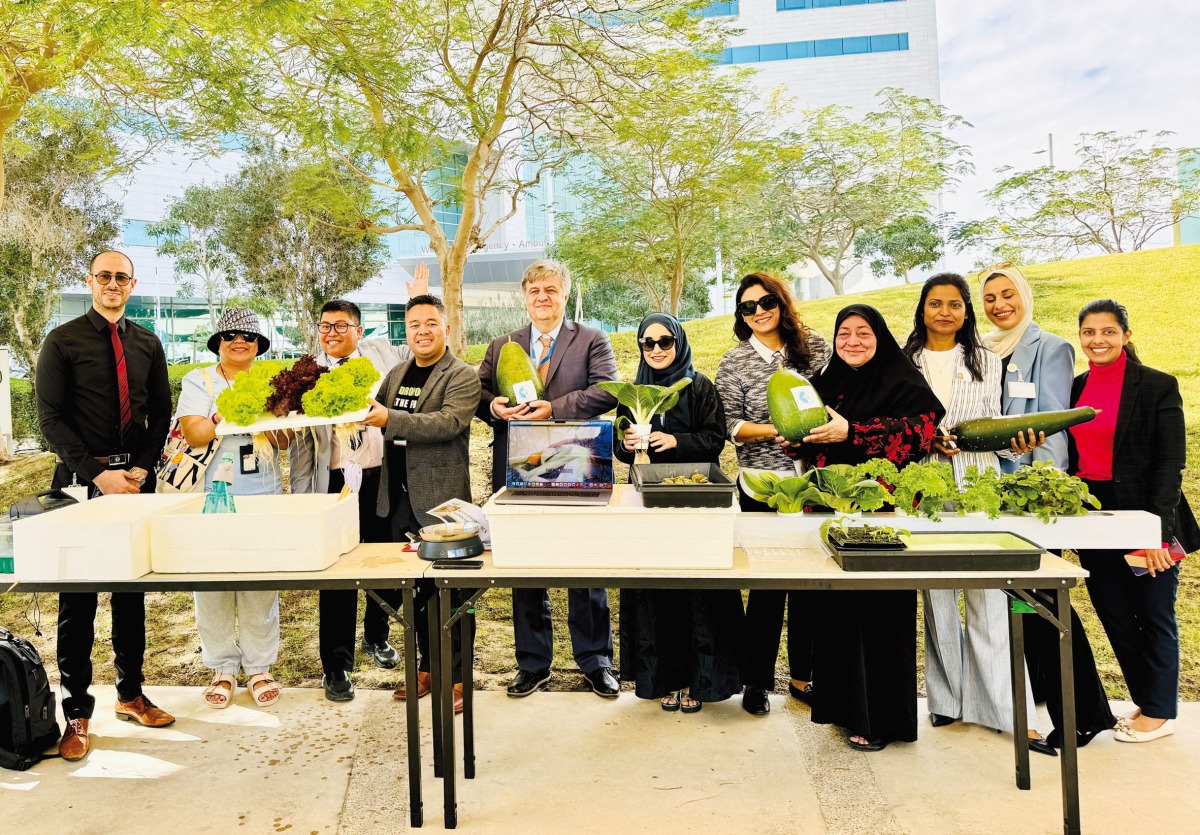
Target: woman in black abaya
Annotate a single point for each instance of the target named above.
(865, 655)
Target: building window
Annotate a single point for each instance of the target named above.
(134, 234)
(797, 5)
(726, 9)
(825, 48)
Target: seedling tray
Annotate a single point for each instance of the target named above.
(648, 480)
(926, 551)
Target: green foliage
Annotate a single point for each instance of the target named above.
(924, 488)
(981, 492)
(839, 487)
(842, 533)
(24, 412)
(246, 400)
(1042, 490)
(644, 400)
(346, 388)
(906, 244)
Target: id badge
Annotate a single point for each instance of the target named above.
(248, 458)
(1021, 390)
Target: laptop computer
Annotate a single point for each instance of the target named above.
(558, 462)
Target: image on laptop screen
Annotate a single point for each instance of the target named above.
(568, 454)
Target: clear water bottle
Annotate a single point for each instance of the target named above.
(219, 499)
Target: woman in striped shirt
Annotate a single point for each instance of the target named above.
(771, 334)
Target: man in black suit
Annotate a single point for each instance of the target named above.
(571, 360)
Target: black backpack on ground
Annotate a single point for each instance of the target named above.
(28, 724)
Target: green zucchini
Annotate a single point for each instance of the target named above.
(991, 434)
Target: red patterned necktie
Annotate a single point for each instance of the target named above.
(122, 378)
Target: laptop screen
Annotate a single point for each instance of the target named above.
(560, 454)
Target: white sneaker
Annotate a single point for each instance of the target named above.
(1126, 733)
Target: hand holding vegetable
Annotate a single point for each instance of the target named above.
(378, 416)
(539, 410)
(943, 443)
(1022, 444)
(837, 430)
(630, 439)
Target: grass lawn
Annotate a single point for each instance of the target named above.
(1153, 285)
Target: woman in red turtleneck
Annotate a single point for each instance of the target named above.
(1132, 457)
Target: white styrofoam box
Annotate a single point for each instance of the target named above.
(303, 532)
(1103, 529)
(105, 538)
(622, 534)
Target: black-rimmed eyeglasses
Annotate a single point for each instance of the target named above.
(337, 327)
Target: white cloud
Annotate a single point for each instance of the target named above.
(1019, 70)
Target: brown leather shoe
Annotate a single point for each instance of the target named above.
(143, 711)
(74, 744)
(424, 685)
(458, 699)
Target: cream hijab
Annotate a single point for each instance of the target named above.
(1002, 342)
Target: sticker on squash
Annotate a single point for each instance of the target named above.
(525, 391)
(806, 397)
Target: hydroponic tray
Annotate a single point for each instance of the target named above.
(943, 551)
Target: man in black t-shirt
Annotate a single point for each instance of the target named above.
(424, 407)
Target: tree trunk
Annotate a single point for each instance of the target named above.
(452, 268)
(677, 283)
(837, 280)
(578, 301)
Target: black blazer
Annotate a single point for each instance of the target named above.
(1149, 451)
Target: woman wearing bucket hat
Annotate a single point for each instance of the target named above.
(238, 630)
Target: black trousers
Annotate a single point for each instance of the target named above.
(77, 635)
(339, 607)
(1138, 615)
(764, 625)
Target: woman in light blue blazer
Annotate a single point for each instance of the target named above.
(1039, 370)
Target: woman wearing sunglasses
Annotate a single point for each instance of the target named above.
(679, 645)
(238, 630)
(770, 335)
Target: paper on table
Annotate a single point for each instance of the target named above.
(466, 514)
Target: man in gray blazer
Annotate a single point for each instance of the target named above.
(572, 359)
(424, 408)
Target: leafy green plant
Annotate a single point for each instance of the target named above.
(644, 401)
(837, 487)
(246, 400)
(843, 533)
(346, 388)
(981, 492)
(924, 489)
(1042, 490)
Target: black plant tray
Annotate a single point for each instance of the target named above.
(837, 540)
(928, 551)
(647, 479)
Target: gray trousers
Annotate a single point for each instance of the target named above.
(967, 672)
(238, 629)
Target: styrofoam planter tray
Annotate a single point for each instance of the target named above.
(622, 534)
(306, 532)
(105, 538)
(293, 421)
(1103, 529)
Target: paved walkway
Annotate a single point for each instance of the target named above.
(568, 761)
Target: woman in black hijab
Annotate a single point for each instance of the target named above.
(679, 645)
(865, 655)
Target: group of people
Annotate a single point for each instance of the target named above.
(105, 407)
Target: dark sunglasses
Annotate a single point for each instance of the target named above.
(664, 342)
(231, 336)
(767, 302)
(104, 278)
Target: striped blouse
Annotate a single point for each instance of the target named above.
(742, 383)
(971, 399)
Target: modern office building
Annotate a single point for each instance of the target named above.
(821, 51)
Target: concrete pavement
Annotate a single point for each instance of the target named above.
(570, 761)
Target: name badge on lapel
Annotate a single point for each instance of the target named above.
(1021, 390)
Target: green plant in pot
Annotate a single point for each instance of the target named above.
(1042, 490)
(644, 401)
(837, 487)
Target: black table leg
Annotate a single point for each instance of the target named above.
(414, 714)
(467, 624)
(1069, 757)
(1016, 646)
(446, 696)
(435, 678)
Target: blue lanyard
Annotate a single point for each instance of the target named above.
(550, 353)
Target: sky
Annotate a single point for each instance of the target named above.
(1019, 70)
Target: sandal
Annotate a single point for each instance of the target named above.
(689, 705)
(265, 689)
(220, 690)
(670, 702)
(868, 744)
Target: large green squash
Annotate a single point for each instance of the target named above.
(515, 370)
(995, 433)
(795, 407)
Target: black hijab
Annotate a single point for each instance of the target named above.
(680, 367)
(887, 385)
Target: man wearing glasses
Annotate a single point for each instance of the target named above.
(104, 406)
(331, 462)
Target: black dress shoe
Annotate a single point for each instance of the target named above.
(603, 683)
(526, 682)
(1042, 746)
(384, 654)
(338, 686)
(804, 695)
(755, 701)
(1082, 738)
(939, 720)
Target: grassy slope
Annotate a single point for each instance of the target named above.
(1153, 285)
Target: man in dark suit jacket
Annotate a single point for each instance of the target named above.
(573, 359)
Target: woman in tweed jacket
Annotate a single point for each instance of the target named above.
(967, 673)
(770, 335)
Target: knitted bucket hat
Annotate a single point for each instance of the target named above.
(238, 319)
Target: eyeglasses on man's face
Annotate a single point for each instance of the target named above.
(767, 302)
(234, 336)
(664, 342)
(336, 327)
(122, 279)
